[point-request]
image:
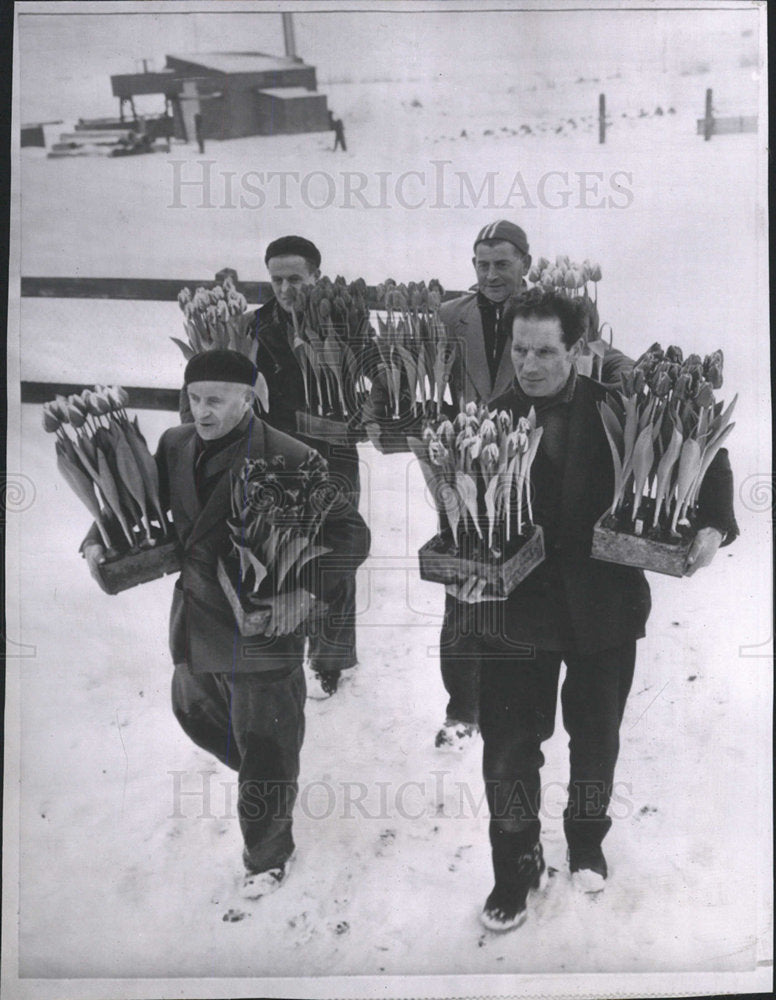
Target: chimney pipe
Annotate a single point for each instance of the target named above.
(288, 35)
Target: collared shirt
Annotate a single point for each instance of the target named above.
(493, 333)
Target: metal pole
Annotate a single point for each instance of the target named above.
(288, 35)
(708, 125)
(602, 118)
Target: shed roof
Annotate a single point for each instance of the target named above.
(238, 62)
(288, 92)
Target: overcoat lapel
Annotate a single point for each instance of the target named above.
(586, 461)
(475, 363)
(252, 443)
(184, 473)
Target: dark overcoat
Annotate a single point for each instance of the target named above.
(203, 632)
(572, 601)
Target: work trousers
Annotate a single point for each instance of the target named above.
(253, 723)
(517, 713)
(332, 642)
(459, 656)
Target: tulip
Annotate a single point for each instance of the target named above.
(595, 272)
(561, 261)
(488, 431)
(471, 409)
(547, 280)
(542, 264)
(446, 432)
(674, 354)
(51, 423)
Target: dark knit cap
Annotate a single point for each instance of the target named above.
(506, 231)
(220, 366)
(294, 246)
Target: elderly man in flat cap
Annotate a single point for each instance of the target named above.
(294, 262)
(483, 370)
(240, 699)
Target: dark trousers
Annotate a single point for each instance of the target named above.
(253, 723)
(332, 643)
(517, 713)
(459, 657)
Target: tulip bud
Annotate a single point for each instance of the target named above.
(714, 376)
(460, 421)
(639, 381)
(471, 410)
(662, 385)
(542, 264)
(562, 261)
(546, 280)
(446, 431)
(428, 434)
(489, 455)
(705, 396)
(694, 361)
(674, 354)
(488, 431)
(437, 451)
(504, 421)
(533, 274)
(569, 279)
(595, 272)
(50, 422)
(77, 418)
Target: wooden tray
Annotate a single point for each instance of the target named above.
(255, 619)
(441, 566)
(328, 429)
(644, 553)
(139, 567)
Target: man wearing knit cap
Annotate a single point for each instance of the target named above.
(294, 262)
(240, 699)
(483, 370)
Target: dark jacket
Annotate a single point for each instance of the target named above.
(203, 632)
(281, 370)
(571, 601)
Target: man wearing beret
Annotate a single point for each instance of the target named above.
(294, 262)
(241, 699)
(570, 609)
(483, 370)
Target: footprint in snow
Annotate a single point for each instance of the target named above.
(233, 916)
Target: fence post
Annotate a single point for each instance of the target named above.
(602, 118)
(708, 124)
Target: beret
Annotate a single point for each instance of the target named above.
(294, 246)
(220, 366)
(504, 230)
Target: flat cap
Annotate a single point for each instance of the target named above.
(294, 246)
(220, 365)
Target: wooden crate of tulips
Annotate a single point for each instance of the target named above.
(664, 429)
(332, 343)
(276, 517)
(104, 458)
(218, 317)
(572, 279)
(478, 470)
(415, 357)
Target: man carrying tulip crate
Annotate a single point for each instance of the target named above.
(572, 608)
(241, 698)
(481, 372)
(294, 263)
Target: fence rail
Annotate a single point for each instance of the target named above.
(151, 289)
(142, 290)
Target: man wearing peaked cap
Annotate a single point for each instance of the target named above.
(240, 699)
(483, 370)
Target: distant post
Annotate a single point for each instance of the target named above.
(708, 122)
(602, 118)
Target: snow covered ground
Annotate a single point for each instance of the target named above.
(129, 843)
